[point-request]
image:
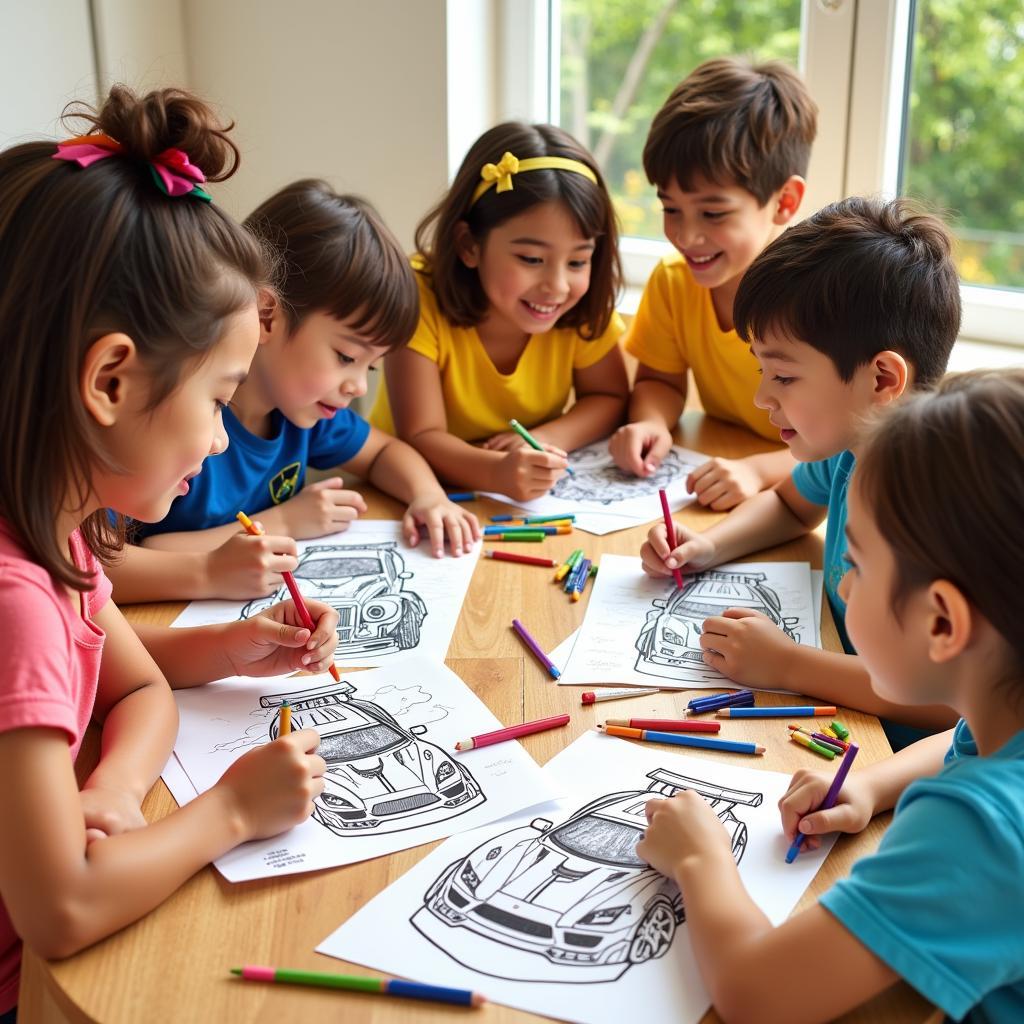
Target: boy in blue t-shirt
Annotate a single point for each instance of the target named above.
(844, 313)
(347, 297)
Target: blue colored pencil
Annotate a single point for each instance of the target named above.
(830, 798)
(462, 496)
(574, 575)
(798, 712)
(503, 518)
(720, 698)
(581, 579)
(684, 740)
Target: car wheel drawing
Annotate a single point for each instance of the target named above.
(569, 901)
(381, 776)
(365, 584)
(670, 637)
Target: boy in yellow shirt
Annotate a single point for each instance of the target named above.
(727, 152)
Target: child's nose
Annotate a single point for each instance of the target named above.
(761, 398)
(220, 439)
(354, 386)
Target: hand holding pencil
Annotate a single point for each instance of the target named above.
(691, 552)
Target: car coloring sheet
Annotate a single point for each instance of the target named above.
(641, 631)
(393, 600)
(552, 911)
(393, 779)
(604, 498)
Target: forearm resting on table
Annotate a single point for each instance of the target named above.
(401, 471)
(759, 522)
(657, 400)
(149, 574)
(189, 656)
(771, 467)
(456, 461)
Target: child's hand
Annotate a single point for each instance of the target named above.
(441, 518)
(525, 473)
(638, 448)
(275, 641)
(272, 788)
(853, 810)
(693, 551)
(108, 812)
(244, 567)
(722, 484)
(322, 508)
(680, 828)
(747, 647)
(504, 442)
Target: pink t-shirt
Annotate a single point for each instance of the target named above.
(52, 653)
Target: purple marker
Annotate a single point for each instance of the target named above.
(830, 798)
(535, 648)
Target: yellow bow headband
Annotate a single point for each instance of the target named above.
(500, 174)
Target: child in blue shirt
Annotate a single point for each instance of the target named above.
(934, 606)
(347, 297)
(845, 312)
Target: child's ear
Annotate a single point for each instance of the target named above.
(466, 246)
(107, 377)
(891, 376)
(950, 622)
(788, 199)
(268, 308)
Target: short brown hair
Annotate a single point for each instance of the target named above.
(859, 277)
(942, 475)
(338, 257)
(733, 122)
(460, 296)
(88, 252)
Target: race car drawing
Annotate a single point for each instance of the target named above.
(381, 776)
(571, 901)
(365, 583)
(599, 480)
(669, 642)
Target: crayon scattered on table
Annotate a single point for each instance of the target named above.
(504, 529)
(531, 440)
(701, 705)
(679, 739)
(566, 519)
(795, 712)
(284, 719)
(524, 537)
(805, 741)
(582, 575)
(576, 574)
(840, 730)
(503, 518)
(596, 696)
(356, 983)
(830, 798)
(566, 567)
(459, 496)
(665, 724)
(828, 742)
(511, 556)
(513, 732)
(539, 654)
(720, 696)
(670, 532)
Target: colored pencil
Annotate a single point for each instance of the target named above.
(512, 732)
(840, 730)
(798, 712)
(284, 719)
(699, 705)
(503, 518)
(533, 535)
(596, 696)
(535, 648)
(355, 983)
(565, 517)
(509, 556)
(664, 724)
(830, 798)
(805, 741)
(670, 532)
(683, 740)
(567, 566)
(575, 574)
(704, 709)
(591, 573)
(581, 580)
(462, 496)
(504, 529)
(293, 588)
(531, 440)
(728, 694)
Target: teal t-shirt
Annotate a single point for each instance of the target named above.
(826, 483)
(942, 901)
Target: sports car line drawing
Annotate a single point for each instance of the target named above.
(598, 479)
(669, 642)
(365, 583)
(571, 901)
(381, 776)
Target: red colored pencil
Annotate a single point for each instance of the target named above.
(507, 556)
(666, 724)
(293, 588)
(670, 530)
(512, 732)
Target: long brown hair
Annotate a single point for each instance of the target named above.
(460, 296)
(88, 252)
(944, 476)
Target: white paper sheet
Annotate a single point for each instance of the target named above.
(393, 600)
(393, 779)
(604, 498)
(645, 632)
(552, 912)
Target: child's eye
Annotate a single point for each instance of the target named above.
(715, 214)
(531, 261)
(783, 380)
(669, 211)
(344, 359)
(579, 264)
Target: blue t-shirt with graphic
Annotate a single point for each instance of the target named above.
(826, 483)
(941, 902)
(256, 473)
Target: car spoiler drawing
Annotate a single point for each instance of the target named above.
(668, 784)
(306, 700)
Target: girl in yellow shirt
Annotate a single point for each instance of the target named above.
(518, 275)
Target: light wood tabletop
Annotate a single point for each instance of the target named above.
(173, 964)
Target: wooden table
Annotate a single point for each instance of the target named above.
(172, 965)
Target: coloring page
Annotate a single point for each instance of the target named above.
(646, 632)
(393, 600)
(553, 912)
(604, 498)
(393, 778)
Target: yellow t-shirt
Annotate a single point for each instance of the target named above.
(676, 327)
(478, 399)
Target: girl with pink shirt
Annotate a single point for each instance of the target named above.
(128, 316)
